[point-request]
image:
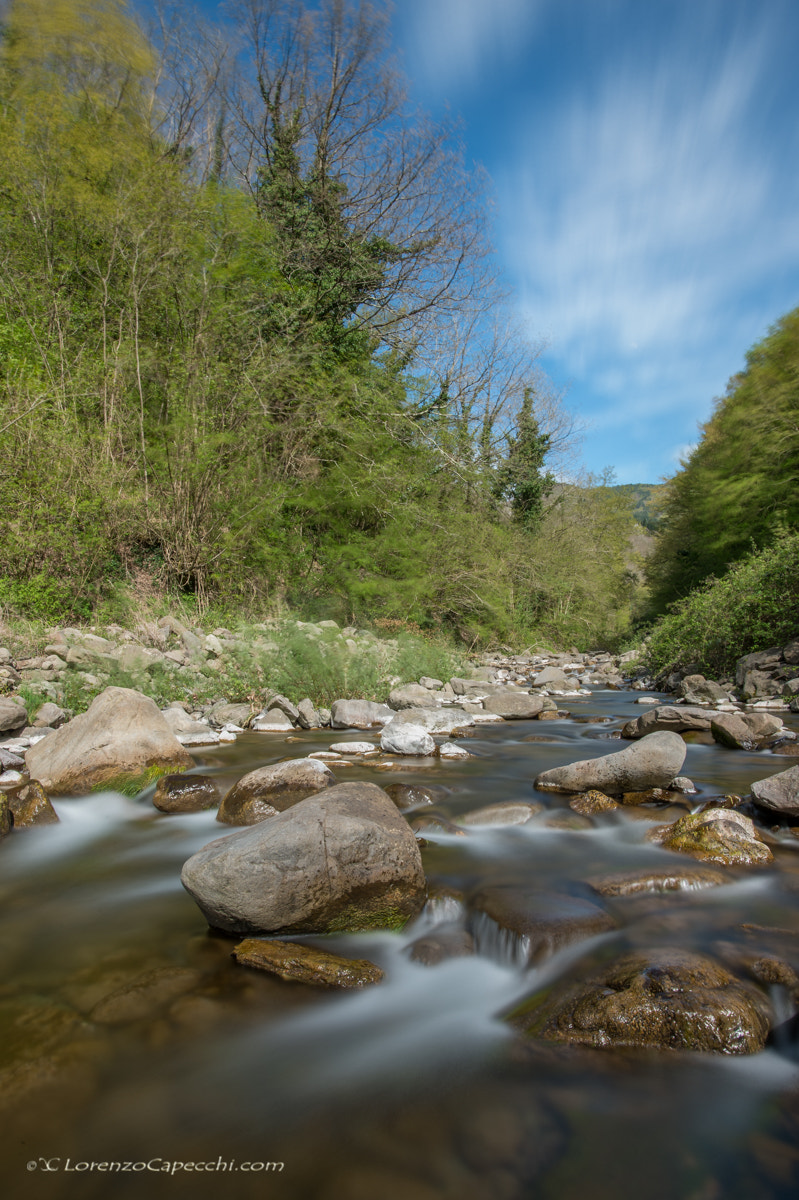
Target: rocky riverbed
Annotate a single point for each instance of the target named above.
(454, 917)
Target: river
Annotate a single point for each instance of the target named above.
(218, 1080)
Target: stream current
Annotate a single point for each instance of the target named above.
(416, 1089)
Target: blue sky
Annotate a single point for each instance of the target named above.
(645, 158)
(645, 162)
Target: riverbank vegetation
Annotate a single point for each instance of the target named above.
(254, 356)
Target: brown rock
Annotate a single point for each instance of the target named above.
(637, 883)
(143, 996)
(669, 999)
(304, 964)
(592, 801)
(542, 921)
(719, 835)
(270, 790)
(185, 793)
(31, 806)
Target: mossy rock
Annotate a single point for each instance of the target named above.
(666, 999)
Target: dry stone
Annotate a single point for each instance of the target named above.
(122, 742)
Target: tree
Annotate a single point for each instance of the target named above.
(739, 486)
(521, 479)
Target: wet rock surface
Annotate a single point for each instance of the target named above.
(30, 805)
(669, 999)
(719, 835)
(270, 790)
(185, 793)
(542, 922)
(304, 964)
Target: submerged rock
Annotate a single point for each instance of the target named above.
(304, 964)
(720, 835)
(144, 995)
(507, 813)
(122, 742)
(440, 945)
(541, 921)
(651, 762)
(637, 883)
(668, 999)
(415, 795)
(270, 790)
(185, 793)
(341, 860)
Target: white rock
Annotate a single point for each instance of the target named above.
(11, 778)
(406, 738)
(450, 750)
(354, 748)
(209, 738)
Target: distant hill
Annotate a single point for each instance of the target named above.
(647, 500)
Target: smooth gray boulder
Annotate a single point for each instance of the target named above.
(779, 793)
(514, 706)
(342, 860)
(682, 718)
(411, 695)
(651, 762)
(269, 790)
(359, 714)
(406, 738)
(435, 720)
(49, 715)
(13, 715)
(122, 742)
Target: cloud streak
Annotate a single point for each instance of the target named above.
(455, 42)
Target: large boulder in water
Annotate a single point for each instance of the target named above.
(651, 762)
(121, 742)
(343, 859)
(667, 999)
(780, 793)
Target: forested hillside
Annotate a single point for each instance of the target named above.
(740, 486)
(726, 559)
(252, 349)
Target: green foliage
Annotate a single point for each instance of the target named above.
(41, 597)
(751, 607)
(647, 500)
(228, 395)
(740, 484)
(521, 478)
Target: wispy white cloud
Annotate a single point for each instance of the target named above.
(455, 42)
(636, 210)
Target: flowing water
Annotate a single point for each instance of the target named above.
(416, 1088)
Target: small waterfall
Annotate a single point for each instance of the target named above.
(501, 945)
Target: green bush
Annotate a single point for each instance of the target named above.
(750, 608)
